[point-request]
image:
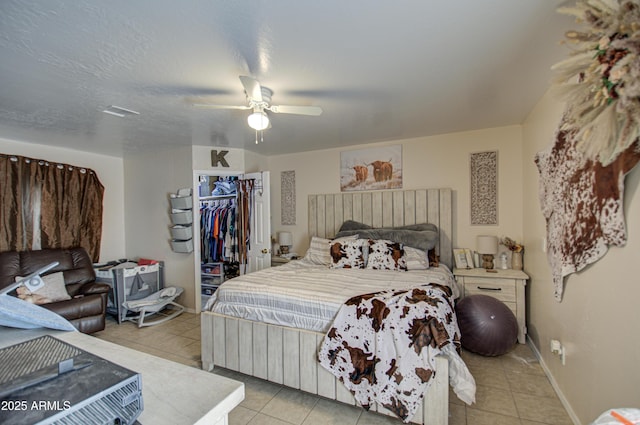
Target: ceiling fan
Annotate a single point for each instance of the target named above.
(259, 99)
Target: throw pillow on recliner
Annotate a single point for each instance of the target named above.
(53, 290)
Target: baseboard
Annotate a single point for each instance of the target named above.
(554, 384)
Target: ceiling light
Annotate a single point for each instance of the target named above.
(258, 120)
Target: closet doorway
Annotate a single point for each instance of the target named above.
(232, 228)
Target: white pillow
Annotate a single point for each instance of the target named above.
(53, 290)
(349, 254)
(319, 249)
(416, 258)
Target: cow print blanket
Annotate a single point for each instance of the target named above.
(383, 345)
(582, 202)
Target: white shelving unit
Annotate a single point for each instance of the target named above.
(211, 276)
(182, 219)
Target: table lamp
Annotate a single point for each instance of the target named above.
(285, 240)
(487, 246)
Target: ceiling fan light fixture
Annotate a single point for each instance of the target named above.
(258, 120)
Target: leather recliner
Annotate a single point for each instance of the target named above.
(86, 309)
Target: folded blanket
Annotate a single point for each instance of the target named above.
(16, 313)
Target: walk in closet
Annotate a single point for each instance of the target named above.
(232, 228)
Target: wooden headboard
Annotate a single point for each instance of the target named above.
(391, 208)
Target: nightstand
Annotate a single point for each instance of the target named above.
(504, 285)
(276, 260)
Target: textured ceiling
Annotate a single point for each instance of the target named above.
(379, 70)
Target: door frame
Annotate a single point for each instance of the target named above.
(196, 226)
(260, 249)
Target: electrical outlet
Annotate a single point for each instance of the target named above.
(558, 348)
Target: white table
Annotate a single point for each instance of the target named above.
(172, 393)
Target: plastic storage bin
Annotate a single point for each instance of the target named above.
(211, 276)
(215, 269)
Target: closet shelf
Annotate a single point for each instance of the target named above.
(208, 198)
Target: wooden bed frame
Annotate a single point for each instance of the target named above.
(288, 356)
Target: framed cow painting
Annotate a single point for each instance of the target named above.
(371, 169)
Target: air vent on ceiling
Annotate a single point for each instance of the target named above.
(119, 111)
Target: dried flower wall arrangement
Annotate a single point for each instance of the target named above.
(601, 79)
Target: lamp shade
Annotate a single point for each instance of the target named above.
(285, 238)
(486, 244)
(258, 120)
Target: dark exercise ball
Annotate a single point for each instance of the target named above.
(487, 326)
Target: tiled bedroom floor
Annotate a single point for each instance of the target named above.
(511, 389)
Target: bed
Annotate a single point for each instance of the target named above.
(273, 346)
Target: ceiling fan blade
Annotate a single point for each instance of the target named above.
(210, 106)
(299, 110)
(252, 87)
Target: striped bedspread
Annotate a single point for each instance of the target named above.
(306, 296)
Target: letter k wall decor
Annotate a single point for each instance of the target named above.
(219, 158)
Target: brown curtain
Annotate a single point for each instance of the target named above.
(49, 205)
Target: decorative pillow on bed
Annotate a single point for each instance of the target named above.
(386, 255)
(421, 236)
(53, 290)
(417, 259)
(349, 254)
(356, 225)
(319, 250)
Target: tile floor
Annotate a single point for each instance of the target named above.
(511, 389)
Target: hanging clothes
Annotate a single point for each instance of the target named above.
(216, 235)
(245, 204)
(225, 224)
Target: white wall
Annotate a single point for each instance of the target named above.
(150, 177)
(254, 162)
(110, 172)
(598, 318)
(428, 162)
